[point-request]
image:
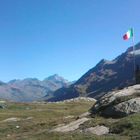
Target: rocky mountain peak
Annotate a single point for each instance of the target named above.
(13, 81)
(102, 62)
(56, 78)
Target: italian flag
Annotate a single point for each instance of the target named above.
(128, 34)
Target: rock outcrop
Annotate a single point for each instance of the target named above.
(119, 103)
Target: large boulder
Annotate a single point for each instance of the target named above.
(124, 108)
(119, 103)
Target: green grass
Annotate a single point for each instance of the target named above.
(47, 116)
(129, 126)
(44, 118)
(74, 136)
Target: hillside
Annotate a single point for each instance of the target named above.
(104, 77)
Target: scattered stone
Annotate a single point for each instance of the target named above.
(71, 126)
(60, 125)
(8, 135)
(69, 117)
(98, 130)
(29, 118)
(17, 127)
(27, 108)
(12, 120)
(2, 101)
(86, 114)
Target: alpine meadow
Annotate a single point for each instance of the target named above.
(70, 70)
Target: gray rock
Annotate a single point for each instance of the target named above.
(98, 130)
(119, 103)
(72, 126)
(123, 109)
(14, 119)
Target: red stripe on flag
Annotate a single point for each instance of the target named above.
(125, 37)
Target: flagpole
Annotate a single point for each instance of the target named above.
(134, 59)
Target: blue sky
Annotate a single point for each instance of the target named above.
(39, 38)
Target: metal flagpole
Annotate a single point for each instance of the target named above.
(134, 60)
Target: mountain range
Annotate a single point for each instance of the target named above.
(104, 77)
(31, 89)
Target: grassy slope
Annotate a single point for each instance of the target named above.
(47, 116)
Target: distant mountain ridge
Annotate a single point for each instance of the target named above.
(31, 89)
(104, 77)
